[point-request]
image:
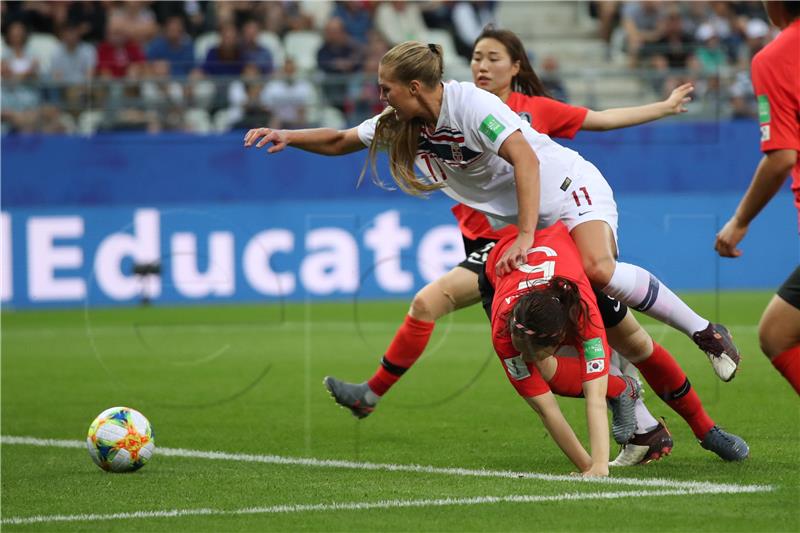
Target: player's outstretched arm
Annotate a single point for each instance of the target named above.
(771, 173)
(595, 393)
(547, 408)
(325, 141)
(622, 117)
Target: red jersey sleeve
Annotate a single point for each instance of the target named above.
(594, 349)
(549, 116)
(778, 93)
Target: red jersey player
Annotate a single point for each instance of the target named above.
(776, 81)
(540, 307)
(500, 64)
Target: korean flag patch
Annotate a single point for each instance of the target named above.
(595, 366)
(517, 368)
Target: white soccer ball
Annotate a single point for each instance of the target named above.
(120, 440)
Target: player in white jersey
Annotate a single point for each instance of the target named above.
(460, 154)
(483, 155)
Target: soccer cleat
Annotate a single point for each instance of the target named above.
(623, 409)
(645, 448)
(717, 342)
(727, 445)
(350, 395)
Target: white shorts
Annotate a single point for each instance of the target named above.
(589, 197)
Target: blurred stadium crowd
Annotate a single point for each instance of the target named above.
(197, 66)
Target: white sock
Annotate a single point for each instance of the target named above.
(644, 420)
(642, 291)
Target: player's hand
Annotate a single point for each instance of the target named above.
(676, 103)
(515, 255)
(266, 136)
(729, 237)
(599, 470)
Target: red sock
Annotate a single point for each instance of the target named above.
(408, 344)
(788, 364)
(567, 380)
(668, 380)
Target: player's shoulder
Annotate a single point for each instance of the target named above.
(784, 46)
(524, 102)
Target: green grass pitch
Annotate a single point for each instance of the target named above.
(247, 380)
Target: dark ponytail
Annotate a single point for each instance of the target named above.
(526, 81)
(550, 314)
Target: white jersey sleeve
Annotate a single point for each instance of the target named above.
(366, 130)
(488, 120)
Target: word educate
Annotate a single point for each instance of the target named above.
(61, 263)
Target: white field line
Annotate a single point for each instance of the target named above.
(420, 469)
(360, 506)
(335, 326)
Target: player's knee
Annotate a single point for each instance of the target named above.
(771, 341)
(636, 347)
(429, 304)
(599, 270)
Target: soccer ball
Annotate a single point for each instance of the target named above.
(120, 440)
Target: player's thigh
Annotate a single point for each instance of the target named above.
(454, 290)
(630, 339)
(596, 243)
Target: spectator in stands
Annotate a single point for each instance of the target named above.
(18, 63)
(38, 17)
(356, 17)
(607, 15)
(173, 47)
(161, 91)
(227, 58)
(437, 14)
(236, 12)
(73, 65)
(197, 16)
(400, 20)
(741, 99)
(74, 62)
(469, 19)
(119, 56)
(673, 51)
(140, 21)
(724, 23)
(757, 35)
(551, 78)
(91, 17)
(288, 98)
(641, 23)
(675, 46)
(20, 102)
(252, 51)
(363, 100)
(338, 56)
(283, 17)
(710, 53)
(711, 60)
(244, 99)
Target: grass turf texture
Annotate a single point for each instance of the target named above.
(248, 380)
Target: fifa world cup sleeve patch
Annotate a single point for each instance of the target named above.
(491, 127)
(595, 355)
(764, 116)
(763, 109)
(517, 368)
